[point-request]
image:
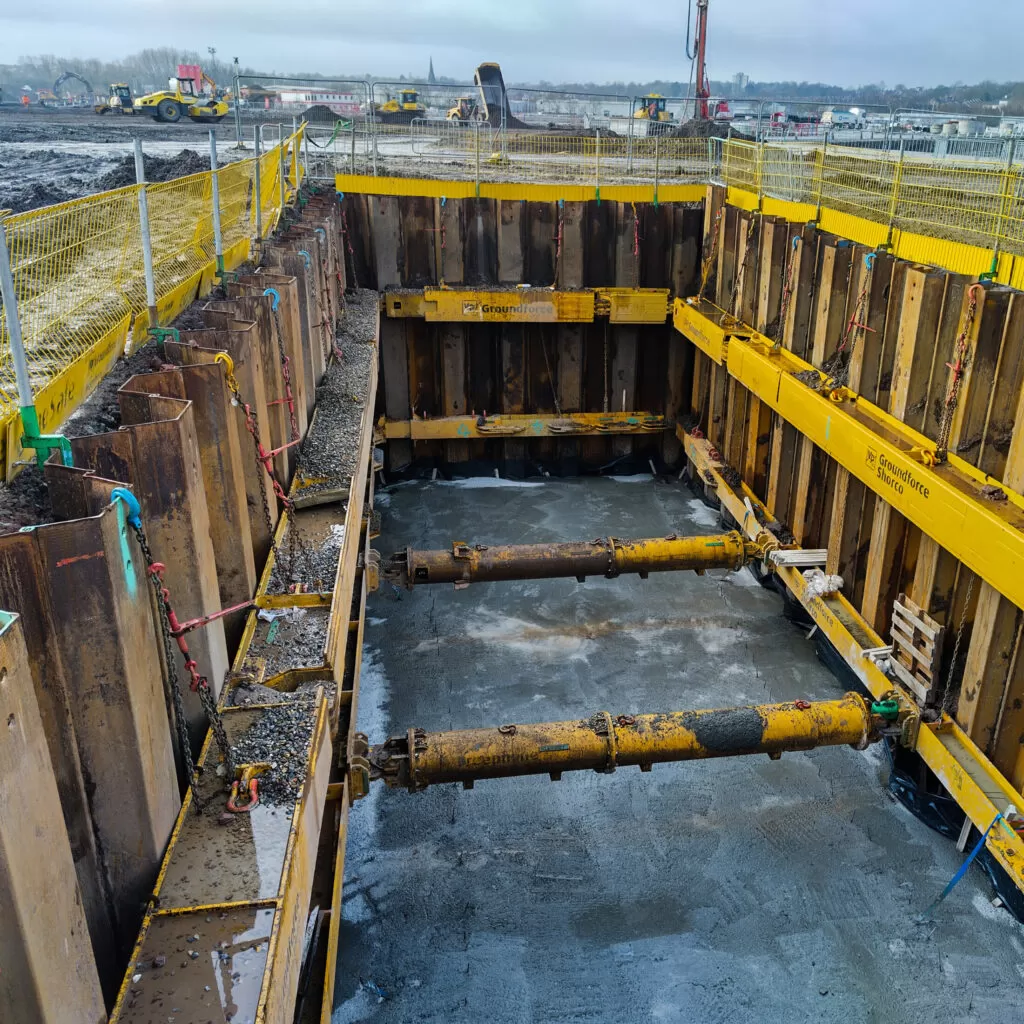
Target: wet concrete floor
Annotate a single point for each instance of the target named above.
(733, 890)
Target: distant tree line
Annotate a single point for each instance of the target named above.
(149, 69)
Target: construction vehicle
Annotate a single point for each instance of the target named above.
(464, 110)
(401, 110)
(184, 98)
(68, 76)
(651, 108)
(118, 102)
(497, 111)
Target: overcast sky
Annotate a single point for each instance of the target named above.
(915, 42)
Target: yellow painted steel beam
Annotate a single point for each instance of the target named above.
(951, 502)
(604, 742)
(571, 424)
(538, 192)
(610, 557)
(970, 777)
(529, 305)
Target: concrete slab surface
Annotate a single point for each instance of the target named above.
(734, 890)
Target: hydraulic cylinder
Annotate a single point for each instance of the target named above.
(604, 742)
(608, 556)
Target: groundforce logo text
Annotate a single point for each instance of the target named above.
(894, 476)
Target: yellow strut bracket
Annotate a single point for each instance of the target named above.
(951, 502)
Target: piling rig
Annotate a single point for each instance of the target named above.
(609, 557)
(605, 742)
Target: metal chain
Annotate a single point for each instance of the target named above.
(708, 261)
(262, 457)
(957, 367)
(286, 373)
(741, 270)
(200, 685)
(559, 235)
(787, 293)
(947, 691)
(547, 366)
(837, 368)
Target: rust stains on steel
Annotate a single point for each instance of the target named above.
(463, 563)
(604, 742)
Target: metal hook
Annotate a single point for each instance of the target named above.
(444, 199)
(320, 231)
(307, 259)
(797, 239)
(869, 261)
(276, 297)
(131, 503)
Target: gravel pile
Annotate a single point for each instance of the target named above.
(314, 565)
(280, 736)
(297, 642)
(331, 448)
(25, 501)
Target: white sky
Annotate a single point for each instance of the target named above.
(845, 42)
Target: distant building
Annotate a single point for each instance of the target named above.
(340, 102)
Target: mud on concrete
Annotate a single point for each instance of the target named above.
(735, 890)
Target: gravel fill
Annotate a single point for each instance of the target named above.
(298, 641)
(331, 448)
(314, 565)
(280, 737)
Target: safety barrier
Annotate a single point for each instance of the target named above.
(965, 200)
(79, 272)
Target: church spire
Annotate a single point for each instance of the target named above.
(430, 76)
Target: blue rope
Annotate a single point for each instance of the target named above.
(925, 918)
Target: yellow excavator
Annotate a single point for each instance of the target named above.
(401, 110)
(118, 102)
(181, 100)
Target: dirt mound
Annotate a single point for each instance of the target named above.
(694, 129)
(188, 161)
(319, 114)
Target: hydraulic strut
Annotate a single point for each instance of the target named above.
(604, 742)
(463, 563)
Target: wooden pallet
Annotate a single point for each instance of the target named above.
(916, 649)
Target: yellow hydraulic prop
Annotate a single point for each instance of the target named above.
(604, 742)
(608, 556)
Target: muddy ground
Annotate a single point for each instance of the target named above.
(50, 156)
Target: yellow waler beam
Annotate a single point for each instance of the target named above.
(463, 564)
(951, 502)
(529, 305)
(570, 424)
(969, 776)
(604, 742)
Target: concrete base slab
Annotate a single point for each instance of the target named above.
(739, 890)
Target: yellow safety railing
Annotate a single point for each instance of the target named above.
(79, 276)
(971, 202)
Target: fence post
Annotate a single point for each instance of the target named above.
(476, 132)
(235, 91)
(41, 444)
(1004, 201)
(597, 162)
(281, 178)
(218, 240)
(147, 242)
(759, 171)
(295, 153)
(257, 182)
(819, 170)
(657, 165)
(629, 146)
(894, 200)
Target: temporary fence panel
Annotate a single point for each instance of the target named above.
(79, 278)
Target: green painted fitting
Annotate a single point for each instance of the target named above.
(887, 709)
(43, 444)
(163, 333)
